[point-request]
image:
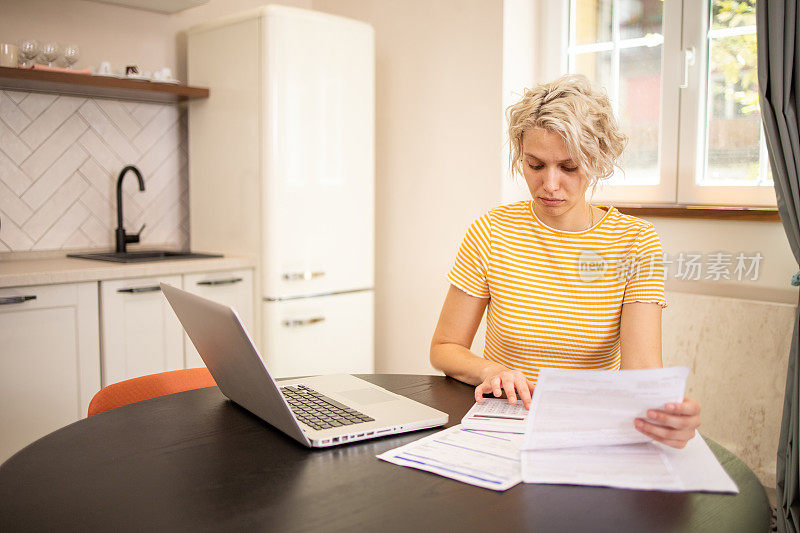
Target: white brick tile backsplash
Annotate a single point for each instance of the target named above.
(103, 208)
(38, 224)
(131, 211)
(144, 113)
(12, 146)
(47, 123)
(158, 180)
(165, 119)
(163, 147)
(59, 232)
(12, 176)
(78, 239)
(12, 236)
(35, 103)
(101, 180)
(53, 147)
(11, 204)
(97, 232)
(58, 173)
(11, 114)
(108, 132)
(101, 153)
(59, 192)
(129, 107)
(17, 96)
(120, 116)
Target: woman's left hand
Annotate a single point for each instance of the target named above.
(676, 425)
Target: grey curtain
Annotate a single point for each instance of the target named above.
(777, 26)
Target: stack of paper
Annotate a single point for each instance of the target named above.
(489, 460)
(579, 431)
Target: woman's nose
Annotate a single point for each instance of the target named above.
(551, 180)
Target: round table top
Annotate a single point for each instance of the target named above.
(196, 460)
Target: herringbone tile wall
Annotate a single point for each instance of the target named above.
(59, 161)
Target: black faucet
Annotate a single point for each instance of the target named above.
(122, 238)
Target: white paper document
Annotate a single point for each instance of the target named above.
(647, 466)
(496, 414)
(489, 460)
(572, 408)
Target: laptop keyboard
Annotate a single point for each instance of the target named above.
(318, 411)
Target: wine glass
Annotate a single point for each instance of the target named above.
(71, 55)
(28, 50)
(50, 53)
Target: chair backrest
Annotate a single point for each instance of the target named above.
(146, 387)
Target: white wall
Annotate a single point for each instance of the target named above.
(121, 35)
(438, 155)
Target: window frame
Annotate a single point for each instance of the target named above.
(685, 23)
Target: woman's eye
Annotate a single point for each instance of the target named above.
(536, 167)
(570, 169)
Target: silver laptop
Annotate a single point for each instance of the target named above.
(318, 411)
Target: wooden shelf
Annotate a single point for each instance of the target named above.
(97, 86)
(761, 214)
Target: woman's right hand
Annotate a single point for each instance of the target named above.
(513, 382)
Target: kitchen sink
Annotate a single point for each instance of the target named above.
(143, 256)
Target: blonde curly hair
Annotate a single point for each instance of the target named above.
(572, 107)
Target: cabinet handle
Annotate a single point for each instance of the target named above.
(220, 281)
(16, 299)
(296, 323)
(302, 276)
(136, 290)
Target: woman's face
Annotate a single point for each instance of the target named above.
(556, 182)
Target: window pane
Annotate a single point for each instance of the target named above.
(596, 66)
(733, 119)
(639, 113)
(733, 13)
(637, 18)
(592, 21)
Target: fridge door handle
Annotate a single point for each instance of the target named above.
(302, 276)
(296, 323)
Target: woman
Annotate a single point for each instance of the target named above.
(567, 284)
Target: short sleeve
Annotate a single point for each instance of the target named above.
(645, 272)
(472, 262)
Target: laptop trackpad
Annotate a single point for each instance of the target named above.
(367, 396)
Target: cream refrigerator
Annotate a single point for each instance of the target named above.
(281, 166)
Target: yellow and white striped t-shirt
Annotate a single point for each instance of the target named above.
(555, 297)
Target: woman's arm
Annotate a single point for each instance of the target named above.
(640, 335)
(459, 320)
(640, 344)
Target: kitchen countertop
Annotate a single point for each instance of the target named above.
(62, 269)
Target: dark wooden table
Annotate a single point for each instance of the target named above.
(196, 461)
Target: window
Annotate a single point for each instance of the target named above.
(682, 78)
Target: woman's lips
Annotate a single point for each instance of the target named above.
(551, 202)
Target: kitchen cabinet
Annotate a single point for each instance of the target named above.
(49, 359)
(140, 333)
(233, 288)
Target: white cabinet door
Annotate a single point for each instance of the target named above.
(49, 360)
(233, 288)
(318, 193)
(140, 333)
(323, 335)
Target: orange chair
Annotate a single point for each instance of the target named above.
(146, 387)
